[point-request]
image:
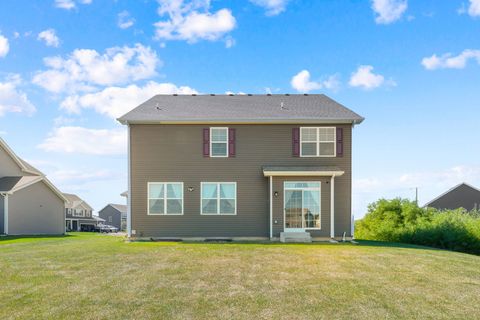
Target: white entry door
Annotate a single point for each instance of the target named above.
(301, 205)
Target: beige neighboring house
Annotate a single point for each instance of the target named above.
(29, 203)
(78, 214)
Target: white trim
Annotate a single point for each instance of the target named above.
(302, 173)
(332, 207)
(317, 141)
(211, 142)
(302, 189)
(450, 190)
(271, 205)
(129, 190)
(165, 198)
(218, 198)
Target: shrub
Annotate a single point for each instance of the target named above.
(401, 220)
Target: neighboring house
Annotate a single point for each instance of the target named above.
(240, 166)
(78, 214)
(29, 202)
(115, 215)
(461, 196)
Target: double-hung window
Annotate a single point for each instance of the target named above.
(317, 141)
(219, 198)
(218, 142)
(165, 198)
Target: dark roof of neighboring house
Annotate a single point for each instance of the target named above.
(8, 183)
(462, 195)
(276, 108)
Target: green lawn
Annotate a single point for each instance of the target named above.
(90, 276)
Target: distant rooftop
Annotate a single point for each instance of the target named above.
(249, 108)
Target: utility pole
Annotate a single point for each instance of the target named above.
(416, 195)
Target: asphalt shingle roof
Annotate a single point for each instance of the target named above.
(297, 108)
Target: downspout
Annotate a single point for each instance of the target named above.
(271, 206)
(129, 192)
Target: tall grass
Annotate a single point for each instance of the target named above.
(401, 220)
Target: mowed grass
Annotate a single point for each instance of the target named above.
(91, 276)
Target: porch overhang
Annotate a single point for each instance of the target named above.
(302, 171)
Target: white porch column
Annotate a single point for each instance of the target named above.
(5, 213)
(271, 205)
(129, 192)
(332, 207)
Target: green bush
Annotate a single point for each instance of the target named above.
(401, 220)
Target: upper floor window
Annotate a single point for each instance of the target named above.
(165, 198)
(317, 141)
(219, 142)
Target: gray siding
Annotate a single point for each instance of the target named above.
(35, 210)
(173, 153)
(116, 216)
(462, 197)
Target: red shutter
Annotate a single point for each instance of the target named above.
(206, 142)
(231, 142)
(339, 142)
(296, 142)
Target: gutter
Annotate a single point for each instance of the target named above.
(245, 121)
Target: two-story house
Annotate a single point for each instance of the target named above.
(240, 167)
(29, 202)
(78, 214)
(115, 215)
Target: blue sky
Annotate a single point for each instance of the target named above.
(412, 68)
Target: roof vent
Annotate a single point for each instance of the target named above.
(269, 94)
(157, 106)
(212, 94)
(287, 94)
(249, 94)
(282, 106)
(305, 94)
(194, 94)
(231, 94)
(175, 94)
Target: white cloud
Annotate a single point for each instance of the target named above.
(125, 21)
(80, 140)
(447, 61)
(302, 83)
(70, 4)
(4, 46)
(388, 11)
(12, 99)
(116, 101)
(272, 7)
(473, 9)
(192, 21)
(229, 42)
(84, 69)
(49, 37)
(366, 79)
(67, 176)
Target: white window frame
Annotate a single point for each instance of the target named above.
(217, 198)
(319, 189)
(212, 142)
(164, 199)
(318, 155)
